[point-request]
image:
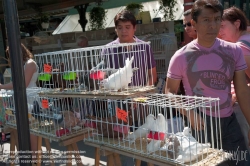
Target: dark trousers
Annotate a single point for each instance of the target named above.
(231, 137)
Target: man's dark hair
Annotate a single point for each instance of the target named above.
(233, 14)
(199, 5)
(187, 12)
(125, 16)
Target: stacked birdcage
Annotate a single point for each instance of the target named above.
(53, 118)
(163, 46)
(153, 126)
(120, 69)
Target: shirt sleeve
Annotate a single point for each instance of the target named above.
(245, 47)
(150, 58)
(240, 63)
(174, 68)
(106, 55)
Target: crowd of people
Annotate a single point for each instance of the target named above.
(221, 45)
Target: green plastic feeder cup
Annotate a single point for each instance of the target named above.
(44, 77)
(69, 76)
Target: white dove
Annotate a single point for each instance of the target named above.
(190, 149)
(121, 78)
(142, 131)
(160, 129)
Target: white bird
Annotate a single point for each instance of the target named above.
(187, 131)
(121, 78)
(189, 149)
(142, 131)
(160, 129)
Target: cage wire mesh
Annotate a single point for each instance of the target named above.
(53, 118)
(163, 46)
(152, 125)
(111, 69)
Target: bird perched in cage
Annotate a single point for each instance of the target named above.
(157, 133)
(121, 78)
(172, 146)
(142, 131)
(189, 149)
(66, 119)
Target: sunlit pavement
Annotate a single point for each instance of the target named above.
(87, 155)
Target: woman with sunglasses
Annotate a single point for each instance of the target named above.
(191, 32)
(234, 29)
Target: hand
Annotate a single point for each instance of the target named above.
(234, 98)
(196, 121)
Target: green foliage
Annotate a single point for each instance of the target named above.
(167, 8)
(97, 18)
(132, 6)
(178, 29)
(44, 17)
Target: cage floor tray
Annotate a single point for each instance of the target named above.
(98, 93)
(208, 157)
(47, 130)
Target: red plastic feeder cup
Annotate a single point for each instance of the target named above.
(62, 132)
(156, 135)
(97, 75)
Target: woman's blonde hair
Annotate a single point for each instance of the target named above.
(26, 53)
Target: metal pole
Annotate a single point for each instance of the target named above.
(19, 87)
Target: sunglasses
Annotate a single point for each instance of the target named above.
(187, 24)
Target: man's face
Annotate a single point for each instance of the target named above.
(188, 27)
(125, 31)
(207, 25)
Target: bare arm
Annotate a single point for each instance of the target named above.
(196, 121)
(242, 93)
(172, 86)
(29, 70)
(152, 76)
(247, 59)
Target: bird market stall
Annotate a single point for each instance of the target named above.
(70, 79)
(102, 95)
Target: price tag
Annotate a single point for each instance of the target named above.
(45, 103)
(121, 114)
(47, 68)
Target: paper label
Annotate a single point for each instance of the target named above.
(45, 103)
(47, 68)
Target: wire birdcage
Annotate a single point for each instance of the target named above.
(120, 69)
(163, 46)
(53, 118)
(153, 126)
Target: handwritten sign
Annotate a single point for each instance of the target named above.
(121, 114)
(47, 68)
(45, 103)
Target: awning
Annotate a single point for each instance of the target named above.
(71, 24)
